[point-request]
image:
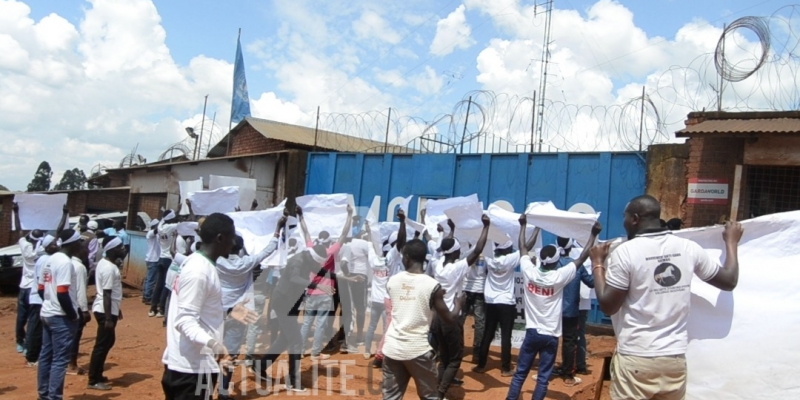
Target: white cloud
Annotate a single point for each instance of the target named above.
(427, 82)
(372, 25)
(391, 77)
(451, 33)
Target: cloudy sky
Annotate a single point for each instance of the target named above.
(83, 83)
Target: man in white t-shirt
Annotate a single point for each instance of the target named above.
(354, 262)
(33, 336)
(407, 354)
(394, 262)
(377, 295)
(106, 309)
(450, 272)
(58, 289)
(167, 230)
(544, 284)
(151, 260)
(646, 288)
(28, 245)
(194, 345)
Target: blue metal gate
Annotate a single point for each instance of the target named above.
(603, 182)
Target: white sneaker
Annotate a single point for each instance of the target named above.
(159, 315)
(320, 357)
(290, 388)
(151, 314)
(367, 356)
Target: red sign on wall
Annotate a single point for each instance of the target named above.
(708, 191)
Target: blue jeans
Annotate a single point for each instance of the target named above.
(319, 308)
(377, 312)
(534, 343)
(161, 281)
(23, 311)
(150, 280)
(253, 330)
(58, 333)
(234, 332)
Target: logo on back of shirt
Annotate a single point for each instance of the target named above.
(667, 275)
(541, 291)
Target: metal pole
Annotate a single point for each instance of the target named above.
(202, 125)
(722, 70)
(466, 120)
(533, 118)
(316, 130)
(641, 121)
(388, 121)
(211, 133)
(230, 122)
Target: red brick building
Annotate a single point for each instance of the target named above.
(740, 165)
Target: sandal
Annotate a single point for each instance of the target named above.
(79, 371)
(572, 382)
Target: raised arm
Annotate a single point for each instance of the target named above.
(63, 223)
(299, 211)
(596, 229)
(476, 252)
(534, 237)
(402, 235)
(525, 246)
(192, 217)
(728, 276)
(347, 226)
(452, 226)
(254, 205)
(16, 221)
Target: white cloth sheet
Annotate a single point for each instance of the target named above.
(187, 187)
(566, 224)
(40, 211)
(221, 200)
(247, 188)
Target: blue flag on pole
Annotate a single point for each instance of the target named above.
(240, 104)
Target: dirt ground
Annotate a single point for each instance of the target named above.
(134, 367)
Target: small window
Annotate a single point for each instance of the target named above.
(772, 190)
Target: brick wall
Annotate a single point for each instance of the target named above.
(711, 158)
(666, 177)
(97, 202)
(150, 203)
(249, 141)
(7, 238)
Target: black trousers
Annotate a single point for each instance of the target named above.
(502, 315)
(183, 386)
(102, 346)
(569, 345)
(76, 340)
(161, 281)
(33, 337)
(449, 338)
(288, 340)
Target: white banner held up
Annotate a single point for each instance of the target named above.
(738, 340)
(311, 201)
(222, 200)
(257, 227)
(566, 224)
(187, 187)
(247, 188)
(434, 210)
(40, 211)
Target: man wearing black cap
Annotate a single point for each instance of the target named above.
(450, 272)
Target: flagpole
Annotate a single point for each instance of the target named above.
(230, 121)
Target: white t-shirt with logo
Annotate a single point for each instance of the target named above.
(543, 294)
(451, 277)
(407, 336)
(197, 316)
(380, 277)
(28, 252)
(166, 232)
(500, 279)
(58, 271)
(107, 277)
(657, 270)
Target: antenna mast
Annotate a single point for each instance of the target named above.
(543, 73)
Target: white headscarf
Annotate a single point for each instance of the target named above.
(74, 238)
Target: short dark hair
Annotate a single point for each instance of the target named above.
(215, 224)
(416, 251)
(66, 234)
(447, 244)
(562, 242)
(107, 240)
(238, 244)
(646, 206)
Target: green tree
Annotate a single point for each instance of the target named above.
(73, 179)
(4, 188)
(41, 179)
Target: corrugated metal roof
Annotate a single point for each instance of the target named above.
(305, 136)
(746, 123)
